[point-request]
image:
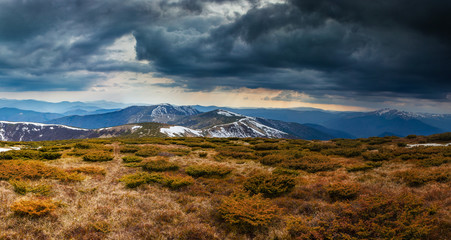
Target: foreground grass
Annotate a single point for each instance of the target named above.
(196, 188)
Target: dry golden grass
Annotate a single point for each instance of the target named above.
(316, 193)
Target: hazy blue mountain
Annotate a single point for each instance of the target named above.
(19, 115)
(82, 112)
(296, 129)
(58, 107)
(136, 114)
(332, 132)
(307, 115)
(381, 122)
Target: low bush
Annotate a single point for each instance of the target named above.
(72, 177)
(179, 151)
(129, 159)
(23, 187)
(207, 170)
(239, 152)
(269, 185)
(20, 154)
(311, 164)
(248, 214)
(273, 159)
(159, 165)
(363, 167)
(50, 155)
(343, 191)
(419, 177)
(266, 146)
(433, 161)
(203, 154)
(28, 170)
(34, 207)
(176, 181)
(285, 171)
(129, 149)
(99, 156)
(148, 151)
(376, 156)
(380, 217)
(345, 152)
(170, 181)
(83, 145)
(138, 179)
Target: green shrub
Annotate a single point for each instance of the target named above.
(266, 146)
(433, 161)
(51, 155)
(23, 187)
(98, 157)
(129, 159)
(285, 171)
(273, 159)
(239, 152)
(84, 146)
(148, 151)
(269, 185)
(159, 165)
(129, 149)
(418, 177)
(248, 213)
(311, 164)
(20, 154)
(342, 191)
(138, 179)
(345, 152)
(376, 156)
(170, 181)
(207, 170)
(176, 182)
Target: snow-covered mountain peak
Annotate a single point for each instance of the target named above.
(167, 108)
(228, 113)
(389, 112)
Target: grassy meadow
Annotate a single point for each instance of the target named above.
(209, 188)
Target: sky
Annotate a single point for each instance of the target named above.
(335, 55)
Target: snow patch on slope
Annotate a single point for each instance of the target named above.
(179, 131)
(245, 127)
(228, 113)
(41, 125)
(428, 145)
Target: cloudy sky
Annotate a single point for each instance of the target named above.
(338, 55)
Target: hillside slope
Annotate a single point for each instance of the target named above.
(136, 114)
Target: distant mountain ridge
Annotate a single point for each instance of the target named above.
(20, 115)
(191, 121)
(179, 121)
(58, 107)
(382, 122)
(135, 114)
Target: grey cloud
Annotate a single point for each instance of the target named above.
(350, 48)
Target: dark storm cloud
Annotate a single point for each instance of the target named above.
(357, 49)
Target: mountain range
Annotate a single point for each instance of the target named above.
(169, 120)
